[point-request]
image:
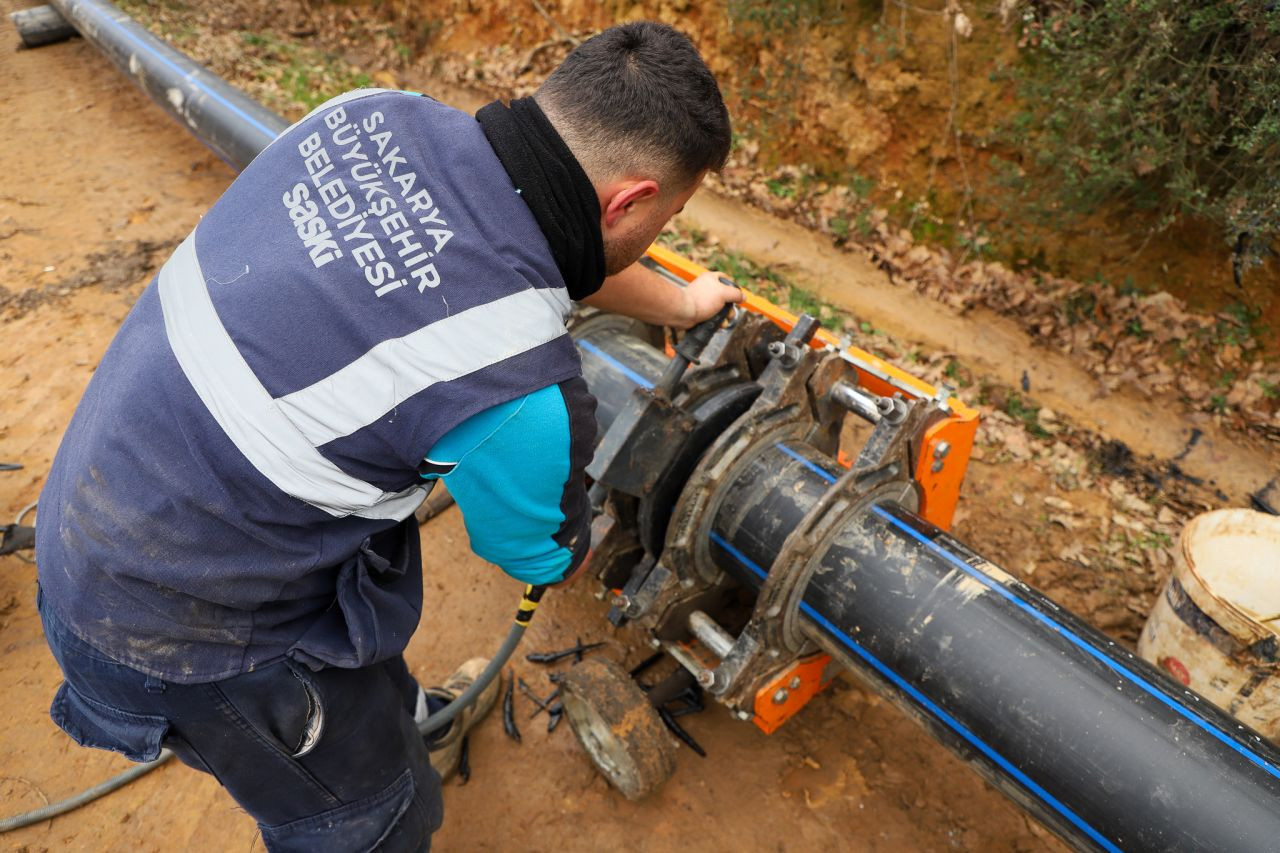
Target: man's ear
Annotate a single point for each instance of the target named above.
(626, 194)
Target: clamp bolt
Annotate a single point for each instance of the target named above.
(795, 683)
(780, 698)
(787, 355)
(941, 449)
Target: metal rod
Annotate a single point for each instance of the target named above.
(857, 401)
(701, 674)
(709, 632)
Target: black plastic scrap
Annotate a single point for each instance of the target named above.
(554, 715)
(464, 761)
(533, 697)
(574, 652)
(508, 708)
(1267, 499)
(543, 704)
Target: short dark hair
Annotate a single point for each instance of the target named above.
(639, 94)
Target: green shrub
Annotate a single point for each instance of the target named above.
(1172, 106)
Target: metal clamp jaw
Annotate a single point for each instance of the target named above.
(785, 399)
(643, 460)
(645, 435)
(771, 642)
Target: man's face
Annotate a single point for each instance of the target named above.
(626, 241)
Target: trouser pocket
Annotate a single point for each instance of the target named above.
(390, 820)
(281, 703)
(97, 724)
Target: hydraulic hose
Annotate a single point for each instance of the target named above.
(524, 613)
(87, 796)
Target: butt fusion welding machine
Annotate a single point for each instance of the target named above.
(720, 482)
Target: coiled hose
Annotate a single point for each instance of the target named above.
(524, 613)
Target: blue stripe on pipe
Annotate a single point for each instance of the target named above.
(141, 43)
(1079, 642)
(617, 365)
(821, 472)
(933, 708)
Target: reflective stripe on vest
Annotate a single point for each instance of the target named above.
(393, 371)
(279, 437)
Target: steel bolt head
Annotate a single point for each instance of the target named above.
(941, 449)
(706, 678)
(795, 683)
(780, 698)
(655, 643)
(743, 715)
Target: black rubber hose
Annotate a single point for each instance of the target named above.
(71, 803)
(447, 714)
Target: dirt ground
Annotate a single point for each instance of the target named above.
(96, 185)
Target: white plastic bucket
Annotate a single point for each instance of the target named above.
(1216, 625)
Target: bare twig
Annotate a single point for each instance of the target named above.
(953, 75)
(564, 34)
(32, 785)
(951, 128)
(909, 7)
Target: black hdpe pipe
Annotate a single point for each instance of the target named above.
(233, 125)
(1099, 745)
(1096, 743)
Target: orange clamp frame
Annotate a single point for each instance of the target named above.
(790, 690)
(944, 453)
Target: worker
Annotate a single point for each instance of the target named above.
(228, 561)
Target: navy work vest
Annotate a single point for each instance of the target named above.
(231, 487)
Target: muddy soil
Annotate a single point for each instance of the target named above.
(96, 184)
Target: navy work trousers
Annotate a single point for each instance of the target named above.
(327, 760)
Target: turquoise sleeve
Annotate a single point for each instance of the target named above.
(512, 469)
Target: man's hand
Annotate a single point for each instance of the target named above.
(645, 295)
(706, 295)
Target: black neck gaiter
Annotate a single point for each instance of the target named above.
(553, 184)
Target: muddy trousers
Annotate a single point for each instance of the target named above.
(327, 760)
